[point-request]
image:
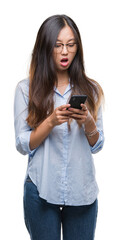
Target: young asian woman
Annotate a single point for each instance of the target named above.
(60, 187)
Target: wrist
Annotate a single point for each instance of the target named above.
(90, 125)
(50, 121)
(92, 133)
(89, 121)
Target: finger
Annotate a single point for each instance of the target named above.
(80, 121)
(61, 118)
(66, 112)
(63, 121)
(63, 106)
(75, 110)
(84, 107)
(63, 113)
(67, 109)
(64, 117)
(78, 116)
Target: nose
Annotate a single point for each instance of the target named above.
(64, 50)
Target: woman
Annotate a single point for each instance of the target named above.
(60, 186)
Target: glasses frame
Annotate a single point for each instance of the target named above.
(62, 46)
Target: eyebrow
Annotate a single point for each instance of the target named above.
(67, 41)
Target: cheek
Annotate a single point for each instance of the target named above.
(56, 61)
(72, 57)
(55, 58)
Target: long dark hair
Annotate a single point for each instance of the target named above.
(43, 72)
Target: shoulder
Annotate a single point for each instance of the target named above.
(23, 85)
(97, 90)
(22, 91)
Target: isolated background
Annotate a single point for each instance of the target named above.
(19, 24)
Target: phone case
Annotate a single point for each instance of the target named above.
(76, 100)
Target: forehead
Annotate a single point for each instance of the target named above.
(66, 34)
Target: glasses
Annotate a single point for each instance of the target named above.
(71, 47)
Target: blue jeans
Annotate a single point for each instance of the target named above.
(44, 220)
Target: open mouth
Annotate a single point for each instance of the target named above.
(64, 62)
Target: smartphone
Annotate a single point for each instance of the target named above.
(76, 100)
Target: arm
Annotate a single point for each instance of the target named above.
(99, 124)
(93, 130)
(59, 116)
(40, 133)
(22, 130)
(27, 139)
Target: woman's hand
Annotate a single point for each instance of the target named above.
(60, 115)
(81, 116)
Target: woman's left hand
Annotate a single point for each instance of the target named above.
(81, 116)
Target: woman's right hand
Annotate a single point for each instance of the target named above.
(60, 115)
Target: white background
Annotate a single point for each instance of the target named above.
(19, 24)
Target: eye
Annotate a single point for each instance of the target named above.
(71, 44)
(57, 45)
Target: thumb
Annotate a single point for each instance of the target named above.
(63, 107)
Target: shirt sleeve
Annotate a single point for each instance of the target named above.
(22, 129)
(99, 124)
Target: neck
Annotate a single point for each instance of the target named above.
(62, 78)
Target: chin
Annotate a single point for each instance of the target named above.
(63, 68)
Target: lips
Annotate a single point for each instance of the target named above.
(64, 62)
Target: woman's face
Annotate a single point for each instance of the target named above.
(65, 49)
